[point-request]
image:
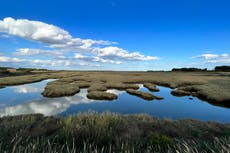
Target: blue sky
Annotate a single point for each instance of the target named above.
(115, 34)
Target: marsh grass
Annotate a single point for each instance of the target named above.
(144, 95)
(60, 88)
(101, 95)
(106, 132)
(151, 87)
(43, 145)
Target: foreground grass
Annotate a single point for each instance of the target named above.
(105, 133)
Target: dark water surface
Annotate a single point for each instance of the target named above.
(27, 99)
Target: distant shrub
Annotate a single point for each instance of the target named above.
(25, 69)
(222, 68)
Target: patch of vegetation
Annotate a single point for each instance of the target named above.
(213, 91)
(180, 93)
(151, 87)
(144, 95)
(101, 95)
(120, 86)
(60, 88)
(97, 87)
(107, 133)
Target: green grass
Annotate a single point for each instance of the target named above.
(106, 132)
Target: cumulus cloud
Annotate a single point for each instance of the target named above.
(64, 49)
(95, 59)
(116, 52)
(215, 58)
(45, 33)
(34, 30)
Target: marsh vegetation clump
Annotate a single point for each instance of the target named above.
(216, 91)
(120, 85)
(59, 89)
(101, 95)
(97, 87)
(152, 87)
(144, 95)
(180, 93)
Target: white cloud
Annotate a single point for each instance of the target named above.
(95, 59)
(45, 33)
(34, 30)
(116, 52)
(224, 55)
(215, 58)
(208, 56)
(46, 62)
(9, 59)
(31, 52)
(63, 45)
(98, 59)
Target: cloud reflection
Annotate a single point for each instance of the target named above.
(47, 106)
(31, 88)
(116, 92)
(27, 89)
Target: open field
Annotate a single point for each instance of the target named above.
(92, 132)
(213, 87)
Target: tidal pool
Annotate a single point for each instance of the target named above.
(27, 99)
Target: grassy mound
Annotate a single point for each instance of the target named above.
(100, 95)
(59, 89)
(151, 87)
(144, 95)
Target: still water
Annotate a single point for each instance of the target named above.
(27, 99)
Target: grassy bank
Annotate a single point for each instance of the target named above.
(105, 133)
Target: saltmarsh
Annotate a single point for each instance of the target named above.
(210, 86)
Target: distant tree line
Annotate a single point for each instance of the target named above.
(6, 71)
(217, 68)
(222, 68)
(189, 69)
(5, 68)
